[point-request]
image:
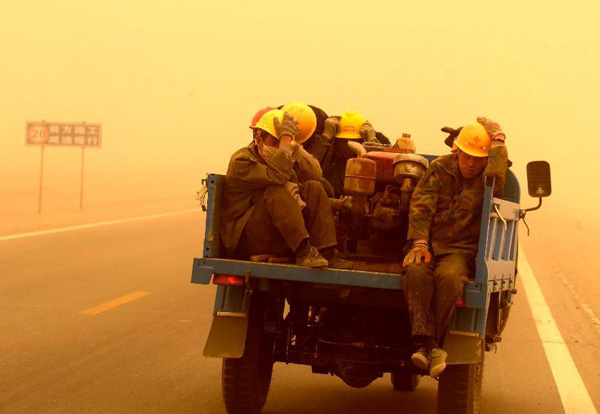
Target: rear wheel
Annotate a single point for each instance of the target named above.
(459, 389)
(402, 381)
(246, 380)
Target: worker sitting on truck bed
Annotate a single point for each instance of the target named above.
(444, 224)
(350, 131)
(273, 202)
(313, 143)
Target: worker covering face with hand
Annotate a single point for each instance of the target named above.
(349, 130)
(444, 224)
(273, 201)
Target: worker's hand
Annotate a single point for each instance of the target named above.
(367, 132)
(417, 254)
(346, 202)
(492, 128)
(287, 127)
(330, 127)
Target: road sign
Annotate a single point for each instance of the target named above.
(37, 133)
(64, 134)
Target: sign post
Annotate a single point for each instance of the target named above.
(41, 180)
(37, 134)
(63, 134)
(81, 187)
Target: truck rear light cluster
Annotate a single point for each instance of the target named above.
(229, 280)
(461, 302)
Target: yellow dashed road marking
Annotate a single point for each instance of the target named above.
(115, 302)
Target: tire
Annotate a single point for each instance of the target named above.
(459, 389)
(246, 380)
(402, 381)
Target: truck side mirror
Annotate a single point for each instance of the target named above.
(539, 182)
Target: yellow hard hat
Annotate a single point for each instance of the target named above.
(266, 121)
(350, 124)
(474, 140)
(307, 120)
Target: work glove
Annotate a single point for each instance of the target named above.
(287, 127)
(492, 128)
(452, 134)
(330, 127)
(367, 133)
(346, 202)
(342, 203)
(417, 254)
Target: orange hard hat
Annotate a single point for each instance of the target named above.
(259, 114)
(307, 120)
(474, 140)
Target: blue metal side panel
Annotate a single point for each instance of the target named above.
(200, 273)
(297, 273)
(496, 258)
(212, 239)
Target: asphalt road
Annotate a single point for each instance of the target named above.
(145, 355)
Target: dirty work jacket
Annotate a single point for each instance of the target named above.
(247, 177)
(446, 209)
(323, 151)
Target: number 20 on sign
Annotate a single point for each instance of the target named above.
(37, 134)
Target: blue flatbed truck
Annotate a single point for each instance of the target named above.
(354, 323)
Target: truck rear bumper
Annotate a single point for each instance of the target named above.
(204, 269)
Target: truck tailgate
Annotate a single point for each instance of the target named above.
(204, 268)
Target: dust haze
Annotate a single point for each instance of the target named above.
(175, 85)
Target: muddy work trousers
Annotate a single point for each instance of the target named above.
(431, 291)
(277, 225)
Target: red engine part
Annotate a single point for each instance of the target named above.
(385, 166)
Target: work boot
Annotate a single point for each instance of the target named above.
(437, 362)
(335, 261)
(309, 256)
(420, 360)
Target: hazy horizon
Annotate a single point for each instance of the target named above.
(175, 85)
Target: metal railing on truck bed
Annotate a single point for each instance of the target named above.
(495, 263)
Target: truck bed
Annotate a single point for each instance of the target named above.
(495, 270)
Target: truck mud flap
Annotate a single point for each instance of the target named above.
(227, 336)
(462, 348)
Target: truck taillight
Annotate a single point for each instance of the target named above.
(228, 280)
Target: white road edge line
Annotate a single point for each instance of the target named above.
(573, 393)
(92, 225)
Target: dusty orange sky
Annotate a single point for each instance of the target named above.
(175, 84)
